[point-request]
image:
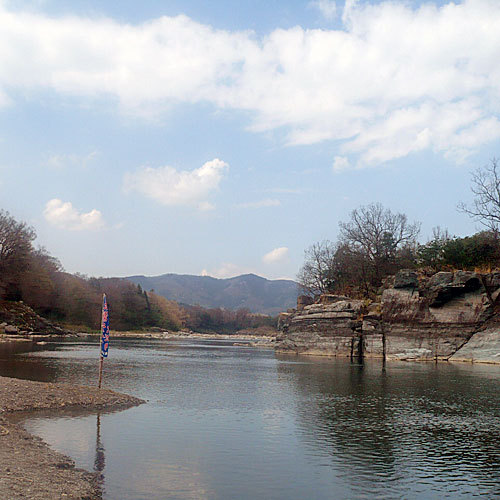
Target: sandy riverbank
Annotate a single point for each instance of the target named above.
(266, 339)
(251, 340)
(28, 467)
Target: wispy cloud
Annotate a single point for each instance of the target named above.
(268, 202)
(340, 163)
(328, 8)
(64, 216)
(59, 161)
(169, 186)
(277, 255)
(431, 84)
(206, 206)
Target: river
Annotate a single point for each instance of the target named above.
(233, 422)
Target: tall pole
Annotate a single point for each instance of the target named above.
(100, 371)
(384, 350)
(104, 344)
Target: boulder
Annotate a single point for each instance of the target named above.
(303, 300)
(440, 280)
(445, 286)
(406, 278)
(328, 298)
(468, 280)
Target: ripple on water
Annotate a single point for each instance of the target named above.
(228, 422)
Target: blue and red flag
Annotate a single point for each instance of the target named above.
(104, 328)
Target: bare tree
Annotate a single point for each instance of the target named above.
(315, 276)
(15, 237)
(37, 282)
(378, 233)
(440, 234)
(16, 240)
(486, 190)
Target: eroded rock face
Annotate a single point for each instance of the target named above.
(436, 319)
(483, 347)
(419, 318)
(444, 286)
(323, 328)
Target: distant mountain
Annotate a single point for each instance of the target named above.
(258, 294)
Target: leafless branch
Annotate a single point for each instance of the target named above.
(486, 189)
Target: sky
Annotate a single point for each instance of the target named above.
(222, 137)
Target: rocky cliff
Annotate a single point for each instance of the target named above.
(16, 318)
(447, 316)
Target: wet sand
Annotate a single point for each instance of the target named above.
(29, 469)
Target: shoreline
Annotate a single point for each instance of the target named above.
(244, 340)
(145, 334)
(389, 359)
(29, 468)
(258, 341)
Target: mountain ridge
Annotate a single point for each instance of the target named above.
(248, 291)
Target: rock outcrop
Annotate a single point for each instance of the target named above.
(16, 318)
(327, 327)
(482, 347)
(450, 315)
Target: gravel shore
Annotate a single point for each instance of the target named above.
(29, 469)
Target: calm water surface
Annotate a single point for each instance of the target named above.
(231, 422)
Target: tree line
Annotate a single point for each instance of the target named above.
(34, 276)
(376, 242)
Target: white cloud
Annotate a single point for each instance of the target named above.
(328, 8)
(277, 255)
(169, 186)
(340, 163)
(226, 270)
(395, 79)
(268, 202)
(65, 216)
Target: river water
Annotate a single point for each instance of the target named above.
(232, 422)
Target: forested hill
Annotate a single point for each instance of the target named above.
(249, 291)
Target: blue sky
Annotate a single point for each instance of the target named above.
(222, 138)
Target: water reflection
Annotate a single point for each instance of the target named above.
(387, 430)
(232, 422)
(31, 368)
(100, 460)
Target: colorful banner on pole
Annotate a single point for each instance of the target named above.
(104, 328)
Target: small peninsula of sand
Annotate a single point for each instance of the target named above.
(29, 468)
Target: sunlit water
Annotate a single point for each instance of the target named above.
(231, 422)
